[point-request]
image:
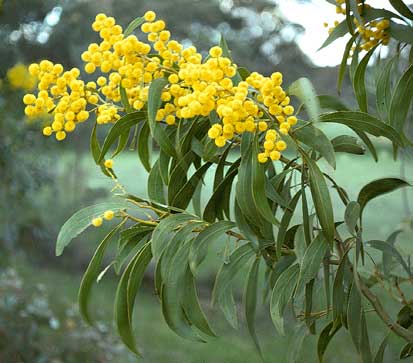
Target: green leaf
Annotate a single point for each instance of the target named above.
(179, 175)
(379, 358)
(360, 121)
(324, 339)
(321, 198)
(172, 296)
(387, 257)
(154, 103)
(250, 297)
(162, 232)
(339, 31)
(95, 150)
(143, 147)
(402, 33)
(359, 82)
(401, 100)
(365, 349)
(192, 307)
(371, 13)
(354, 316)
(338, 291)
(363, 136)
(125, 296)
(407, 351)
(281, 295)
(125, 100)
(318, 141)
(388, 248)
(155, 185)
(377, 188)
(304, 90)
(82, 219)
(227, 53)
(211, 209)
(185, 194)
(285, 222)
(402, 8)
(133, 25)
(352, 216)
(348, 144)
(91, 275)
(383, 88)
(123, 141)
(257, 186)
(331, 103)
(228, 271)
(119, 128)
(312, 260)
(200, 244)
(343, 64)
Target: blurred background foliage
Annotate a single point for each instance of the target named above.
(42, 182)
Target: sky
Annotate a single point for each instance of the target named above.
(312, 15)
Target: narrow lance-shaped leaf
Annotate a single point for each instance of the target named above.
(324, 339)
(351, 216)
(359, 82)
(348, 144)
(119, 128)
(339, 31)
(281, 295)
(383, 89)
(143, 147)
(82, 219)
(321, 198)
(402, 8)
(378, 187)
(204, 239)
(155, 185)
(401, 100)
(154, 103)
(312, 260)
(92, 273)
(251, 293)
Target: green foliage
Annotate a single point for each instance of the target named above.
(251, 209)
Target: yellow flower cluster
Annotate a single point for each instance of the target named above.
(61, 93)
(372, 32)
(107, 215)
(196, 86)
(20, 78)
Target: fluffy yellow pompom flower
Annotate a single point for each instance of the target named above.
(109, 163)
(97, 222)
(108, 215)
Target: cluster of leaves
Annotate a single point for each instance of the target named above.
(251, 212)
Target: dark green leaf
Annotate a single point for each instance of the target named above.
(331, 103)
(155, 185)
(383, 89)
(360, 121)
(121, 126)
(324, 339)
(200, 244)
(351, 216)
(154, 103)
(407, 351)
(339, 31)
(354, 316)
(402, 33)
(281, 295)
(312, 260)
(402, 8)
(250, 297)
(379, 187)
(401, 100)
(321, 198)
(143, 147)
(359, 82)
(133, 25)
(82, 219)
(318, 141)
(348, 144)
(379, 358)
(91, 275)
